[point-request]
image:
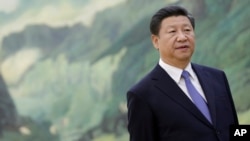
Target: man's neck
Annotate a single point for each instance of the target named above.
(178, 64)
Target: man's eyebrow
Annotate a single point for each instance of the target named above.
(170, 26)
(174, 25)
(187, 25)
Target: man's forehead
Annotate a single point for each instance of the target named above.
(176, 21)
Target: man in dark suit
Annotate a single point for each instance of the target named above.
(179, 100)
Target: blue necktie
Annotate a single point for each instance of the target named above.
(196, 97)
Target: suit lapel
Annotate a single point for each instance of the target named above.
(168, 86)
(206, 83)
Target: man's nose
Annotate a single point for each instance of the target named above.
(181, 37)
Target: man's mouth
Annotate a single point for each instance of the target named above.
(182, 47)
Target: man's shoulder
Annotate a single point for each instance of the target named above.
(144, 83)
(207, 68)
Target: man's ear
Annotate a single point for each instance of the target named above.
(155, 40)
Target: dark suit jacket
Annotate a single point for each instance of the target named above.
(158, 110)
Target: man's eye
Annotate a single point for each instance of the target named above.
(187, 30)
(171, 31)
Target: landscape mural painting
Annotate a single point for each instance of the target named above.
(66, 65)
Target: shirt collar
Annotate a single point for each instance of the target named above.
(174, 72)
(190, 71)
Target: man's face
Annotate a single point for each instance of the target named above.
(175, 41)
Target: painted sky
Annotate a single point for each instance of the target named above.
(16, 14)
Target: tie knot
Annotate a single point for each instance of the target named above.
(185, 74)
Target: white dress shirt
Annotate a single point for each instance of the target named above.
(175, 74)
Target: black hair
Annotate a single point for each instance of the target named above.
(165, 12)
